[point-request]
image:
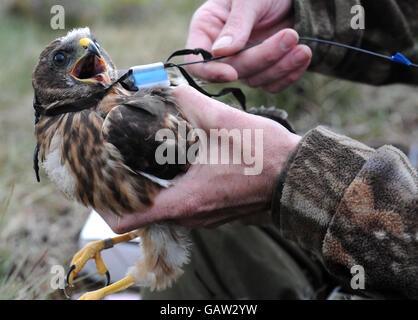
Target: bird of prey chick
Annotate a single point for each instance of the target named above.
(97, 144)
(96, 141)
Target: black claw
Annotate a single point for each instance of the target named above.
(68, 274)
(107, 278)
(67, 283)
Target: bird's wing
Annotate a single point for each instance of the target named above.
(132, 126)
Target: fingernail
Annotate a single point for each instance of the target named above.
(300, 57)
(288, 41)
(222, 42)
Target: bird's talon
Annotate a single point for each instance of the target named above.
(88, 295)
(107, 274)
(67, 278)
(90, 251)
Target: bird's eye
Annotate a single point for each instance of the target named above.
(60, 59)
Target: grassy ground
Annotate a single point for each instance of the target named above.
(38, 226)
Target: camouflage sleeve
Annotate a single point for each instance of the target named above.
(351, 205)
(390, 26)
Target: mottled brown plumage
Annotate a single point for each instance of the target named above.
(102, 153)
(105, 146)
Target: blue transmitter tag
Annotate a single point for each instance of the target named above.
(150, 75)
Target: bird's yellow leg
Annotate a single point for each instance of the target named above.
(113, 288)
(92, 251)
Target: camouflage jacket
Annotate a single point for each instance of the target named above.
(346, 203)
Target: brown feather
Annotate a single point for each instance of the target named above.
(102, 149)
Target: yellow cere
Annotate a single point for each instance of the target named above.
(84, 42)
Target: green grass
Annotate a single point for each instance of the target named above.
(40, 227)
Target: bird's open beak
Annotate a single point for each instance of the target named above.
(90, 67)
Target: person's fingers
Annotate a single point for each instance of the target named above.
(180, 204)
(230, 36)
(285, 82)
(265, 55)
(204, 112)
(237, 29)
(297, 58)
(204, 29)
(182, 199)
(254, 60)
(212, 71)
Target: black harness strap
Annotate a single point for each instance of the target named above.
(38, 112)
(237, 92)
(57, 108)
(207, 56)
(36, 162)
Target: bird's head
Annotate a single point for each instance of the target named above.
(71, 67)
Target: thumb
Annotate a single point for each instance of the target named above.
(204, 112)
(237, 28)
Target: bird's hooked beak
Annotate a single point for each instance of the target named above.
(90, 67)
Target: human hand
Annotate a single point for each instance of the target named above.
(226, 26)
(212, 194)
